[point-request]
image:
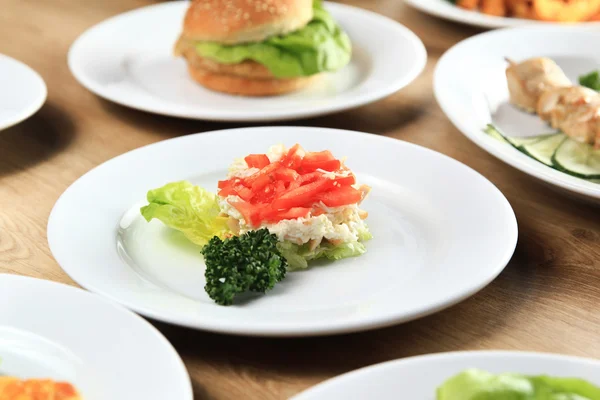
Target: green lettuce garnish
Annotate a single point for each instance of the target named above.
(298, 256)
(320, 46)
(475, 384)
(187, 208)
(591, 80)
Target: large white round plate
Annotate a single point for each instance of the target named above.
(470, 86)
(445, 9)
(129, 60)
(418, 377)
(22, 92)
(54, 331)
(442, 232)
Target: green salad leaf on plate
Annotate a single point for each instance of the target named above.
(591, 80)
(187, 208)
(475, 384)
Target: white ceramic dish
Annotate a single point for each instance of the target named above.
(139, 70)
(470, 86)
(445, 9)
(22, 92)
(436, 239)
(50, 330)
(418, 377)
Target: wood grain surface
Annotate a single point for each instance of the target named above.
(546, 299)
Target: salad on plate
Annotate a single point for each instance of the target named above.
(476, 384)
(272, 213)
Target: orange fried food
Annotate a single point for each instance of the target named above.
(36, 389)
(493, 7)
(565, 10)
(468, 4)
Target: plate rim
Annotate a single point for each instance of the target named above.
(281, 115)
(482, 20)
(295, 331)
(35, 106)
(543, 173)
(308, 393)
(184, 377)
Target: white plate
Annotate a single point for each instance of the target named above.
(50, 330)
(129, 59)
(22, 91)
(417, 378)
(445, 9)
(470, 86)
(442, 232)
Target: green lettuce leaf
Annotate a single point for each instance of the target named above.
(187, 208)
(591, 80)
(298, 256)
(320, 46)
(475, 384)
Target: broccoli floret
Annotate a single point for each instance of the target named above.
(250, 262)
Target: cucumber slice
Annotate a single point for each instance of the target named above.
(544, 149)
(516, 142)
(578, 159)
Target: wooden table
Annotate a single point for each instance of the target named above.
(545, 300)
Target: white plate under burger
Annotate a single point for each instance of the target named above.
(128, 59)
(54, 331)
(441, 233)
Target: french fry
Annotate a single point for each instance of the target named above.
(493, 7)
(565, 10)
(468, 4)
(521, 9)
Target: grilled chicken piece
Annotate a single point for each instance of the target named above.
(574, 110)
(529, 79)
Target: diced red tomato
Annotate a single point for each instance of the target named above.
(310, 177)
(248, 211)
(346, 180)
(318, 156)
(257, 160)
(340, 196)
(242, 191)
(272, 215)
(286, 174)
(224, 184)
(280, 187)
(261, 182)
(292, 159)
(328, 165)
(302, 196)
(265, 171)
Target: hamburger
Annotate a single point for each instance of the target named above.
(260, 47)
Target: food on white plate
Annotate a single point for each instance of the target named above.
(529, 79)
(542, 10)
(12, 388)
(476, 384)
(539, 85)
(261, 47)
(273, 212)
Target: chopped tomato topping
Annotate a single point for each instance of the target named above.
(328, 165)
(319, 156)
(340, 196)
(257, 160)
(292, 187)
(302, 196)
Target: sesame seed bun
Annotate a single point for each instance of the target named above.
(242, 21)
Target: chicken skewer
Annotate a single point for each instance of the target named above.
(539, 85)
